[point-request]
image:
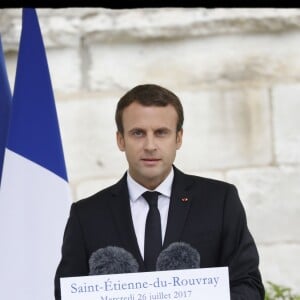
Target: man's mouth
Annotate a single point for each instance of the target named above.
(150, 161)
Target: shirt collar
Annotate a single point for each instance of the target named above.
(136, 190)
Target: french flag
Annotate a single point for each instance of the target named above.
(34, 197)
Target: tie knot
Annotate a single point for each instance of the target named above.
(151, 198)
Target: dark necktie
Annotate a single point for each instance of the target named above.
(153, 240)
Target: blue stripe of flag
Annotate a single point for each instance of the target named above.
(34, 132)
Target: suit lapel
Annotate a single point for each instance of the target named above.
(180, 203)
(121, 212)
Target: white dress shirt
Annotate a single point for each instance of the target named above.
(139, 206)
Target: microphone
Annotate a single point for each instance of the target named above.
(178, 255)
(112, 260)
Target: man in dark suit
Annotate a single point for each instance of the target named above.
(205, 213)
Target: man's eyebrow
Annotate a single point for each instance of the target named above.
(136, 129)
(163, 128)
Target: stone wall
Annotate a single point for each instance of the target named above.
(237, 72)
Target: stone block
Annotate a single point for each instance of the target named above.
(209, 174)
(88, 133)
(176, 23)
(286, 108)
(65, 69)
(196, 62)
(89, 187)
(271, 200)
(279, 263)
(65, 27)
(225, 129)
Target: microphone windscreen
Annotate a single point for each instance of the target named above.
(178, 255)
(112, 260)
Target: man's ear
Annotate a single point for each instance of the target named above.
(120, 141)
(179, 138)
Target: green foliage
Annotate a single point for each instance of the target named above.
(279, 292)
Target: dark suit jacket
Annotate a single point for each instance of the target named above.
(212, 220)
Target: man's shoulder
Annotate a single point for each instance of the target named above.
(211, 181)
(202, 181)
(101, 197)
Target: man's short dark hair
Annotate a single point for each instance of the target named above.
(149, 95)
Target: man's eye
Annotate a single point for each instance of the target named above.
(162, 132)
(137, 133)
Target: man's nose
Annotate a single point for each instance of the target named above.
(150, 143)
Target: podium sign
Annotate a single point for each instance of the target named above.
(188, 284)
